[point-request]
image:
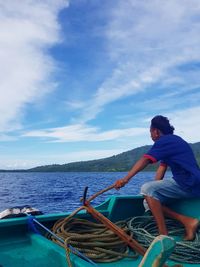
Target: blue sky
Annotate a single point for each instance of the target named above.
(81, 79)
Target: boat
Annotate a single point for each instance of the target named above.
(25, 242)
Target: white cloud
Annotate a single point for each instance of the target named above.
(147, 30)
(81, 132)
(173, 101)
(27, 30)
(147, 41)
(121, 84)
(187, 123)
(58, 158)
(74, 104)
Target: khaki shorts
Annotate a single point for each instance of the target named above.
(166, 190)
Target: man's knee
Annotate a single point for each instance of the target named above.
(148, 189)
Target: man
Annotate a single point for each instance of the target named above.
(176, 153)
(159, 175)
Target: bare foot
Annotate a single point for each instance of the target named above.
(191, 228)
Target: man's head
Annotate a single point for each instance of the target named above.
(160, 126)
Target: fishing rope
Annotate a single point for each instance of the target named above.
(144, 230)
(97, 241)
(101, 244)
(93, 239)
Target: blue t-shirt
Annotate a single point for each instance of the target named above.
(178, 155)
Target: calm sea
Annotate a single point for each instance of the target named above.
(61, 192)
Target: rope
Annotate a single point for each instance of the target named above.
(31, 220)
(98, 193)
(100, 244)
(144, 229)
(92, 239)
(95, 240)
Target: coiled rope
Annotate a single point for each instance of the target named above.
(144, 230)
(100, 244)
(92, 239)
(95, 240)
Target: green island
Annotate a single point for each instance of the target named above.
(117, 163)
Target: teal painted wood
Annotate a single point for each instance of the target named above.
(159, 251)
(30, 250)
(19, 247)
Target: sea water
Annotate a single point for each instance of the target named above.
(55, 192)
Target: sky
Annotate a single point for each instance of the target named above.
(81, 79)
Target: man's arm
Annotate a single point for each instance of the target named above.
(160, 173)
(137, 167)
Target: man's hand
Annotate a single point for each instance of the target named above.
(120, 183)
(137, 167)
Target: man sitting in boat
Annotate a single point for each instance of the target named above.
(171, 150)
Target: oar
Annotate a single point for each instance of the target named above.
(97, 194)
(117, 230)
(110, 225)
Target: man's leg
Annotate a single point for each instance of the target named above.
(156, 191)
(190, 224)
(157, 211)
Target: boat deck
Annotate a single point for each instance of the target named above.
(21, 248)
(34, 250)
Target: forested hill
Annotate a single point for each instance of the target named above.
(120, 162)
